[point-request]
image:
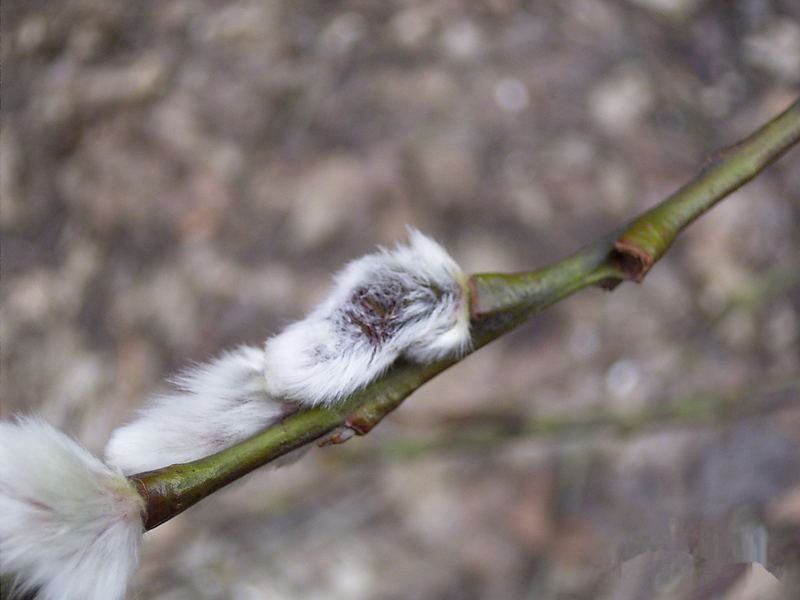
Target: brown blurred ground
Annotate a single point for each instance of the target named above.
(181, 176)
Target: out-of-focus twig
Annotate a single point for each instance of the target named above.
(477, 431)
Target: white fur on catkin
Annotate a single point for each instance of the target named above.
(215, 406)
(69, 525)
(410, 301)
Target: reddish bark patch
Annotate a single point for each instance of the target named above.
(633, 260)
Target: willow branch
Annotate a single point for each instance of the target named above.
(499, 302)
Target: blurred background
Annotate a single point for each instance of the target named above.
(182, 176)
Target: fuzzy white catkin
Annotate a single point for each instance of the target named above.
(70, 526)
(410, 301)
(215, 405)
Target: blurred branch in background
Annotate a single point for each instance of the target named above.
(480, 430)
(499, 303)
(772, 283)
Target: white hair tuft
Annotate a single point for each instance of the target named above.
(70, 526)
(216, 405)
(410, 301)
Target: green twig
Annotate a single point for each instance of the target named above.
(499, 302)
(650, 236)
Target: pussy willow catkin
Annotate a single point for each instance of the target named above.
(410, 301)
(213, 406)
(70, 526)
